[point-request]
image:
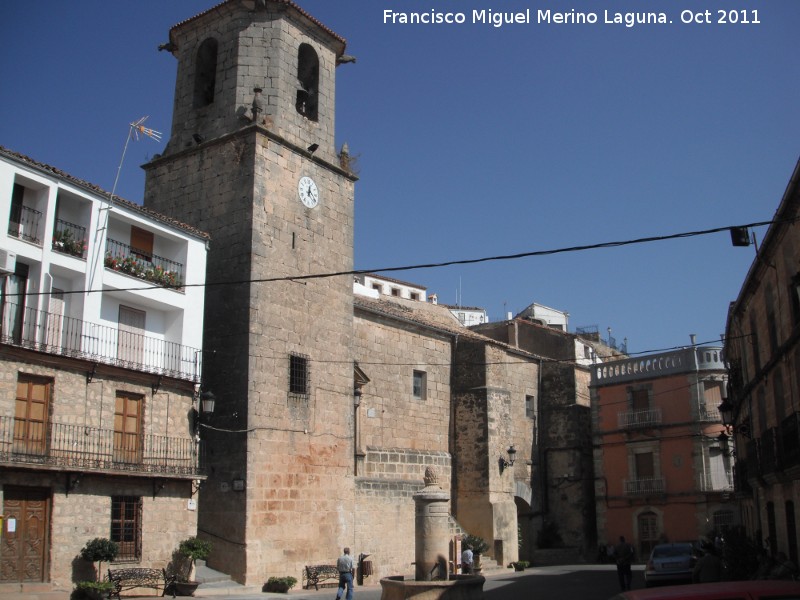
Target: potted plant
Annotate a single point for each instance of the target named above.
(279, 584)
(520, 565)
(190, 550)
(479, 546)
(95, 590)
(99, 550)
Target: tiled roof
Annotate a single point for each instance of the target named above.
(389, 279)
(424, 314)
(101, 192)
(289, 3)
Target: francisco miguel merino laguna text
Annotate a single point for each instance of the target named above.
(498, 19)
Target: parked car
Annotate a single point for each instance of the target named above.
(670, 563)
(724, 590)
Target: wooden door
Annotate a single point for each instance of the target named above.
(24, 544)
(31, 415)
(127, 428)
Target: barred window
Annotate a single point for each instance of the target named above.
(298, 374)
(126, 527)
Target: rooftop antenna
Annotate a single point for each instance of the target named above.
(134, 130)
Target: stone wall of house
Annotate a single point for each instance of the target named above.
(83, 512)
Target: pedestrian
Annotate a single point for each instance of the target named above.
(467, 560)
(624, 553)
(345, 566)
(708, 568)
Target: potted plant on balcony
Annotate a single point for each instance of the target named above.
(189, 552)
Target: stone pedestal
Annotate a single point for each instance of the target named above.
(432, 530)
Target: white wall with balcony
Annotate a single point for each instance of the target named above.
(105, 281)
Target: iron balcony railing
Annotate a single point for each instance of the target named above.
(69, 238)
(144, 265)
(639, 418)
(56, 334)
(93, 449)
(24, 224)
(645, 486)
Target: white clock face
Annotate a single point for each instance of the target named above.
(308, 192)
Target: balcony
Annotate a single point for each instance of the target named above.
(69, 238)
(143, 265)
(644, 487)
(75, 447)
(56, 334)
(635, 419)
(24, 224)
(709, 415)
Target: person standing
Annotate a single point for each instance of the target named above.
(344, 564)
(466, 560)
(624, 553)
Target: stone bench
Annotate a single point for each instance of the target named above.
(139, 577)
(320, 575)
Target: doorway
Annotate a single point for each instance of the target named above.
(25, 543)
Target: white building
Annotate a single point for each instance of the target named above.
(101, 328)
(88, 268)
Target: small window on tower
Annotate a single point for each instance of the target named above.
(205, 75)
(307, 82)
(420, 385)
(298, 375)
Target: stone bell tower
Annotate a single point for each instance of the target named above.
(251, 160)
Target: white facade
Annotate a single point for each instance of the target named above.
(386, 286)
(545, 315)
(112, 283)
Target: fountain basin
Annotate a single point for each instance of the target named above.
(457, 587)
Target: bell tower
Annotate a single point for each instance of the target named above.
(251, 160)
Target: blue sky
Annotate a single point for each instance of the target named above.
(477, 141)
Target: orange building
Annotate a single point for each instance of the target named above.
(660, 470)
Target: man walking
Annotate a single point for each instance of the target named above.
(345, 566)
(624, 553)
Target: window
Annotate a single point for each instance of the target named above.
(396, 292)
(377, 287)
(308, 79)
(127, 428)
(31, 414)
(142, 243)
(723, 520)
(640, 399)
(414, 296)
(15, 218)
(126, 527)
(298, 375)
(420, 385)
(205, 75)
(530, 404)
(645, 465)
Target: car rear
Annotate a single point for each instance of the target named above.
(669, 563)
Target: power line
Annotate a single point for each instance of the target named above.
(469, 261)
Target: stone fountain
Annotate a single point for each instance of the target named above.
(431, 578)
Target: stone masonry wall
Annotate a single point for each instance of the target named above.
(83, 513)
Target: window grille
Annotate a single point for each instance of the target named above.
(126, 527)
(298, 375)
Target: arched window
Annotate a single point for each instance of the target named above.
(205, 75)
(307, 82)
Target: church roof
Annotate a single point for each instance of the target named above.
(288, 3)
